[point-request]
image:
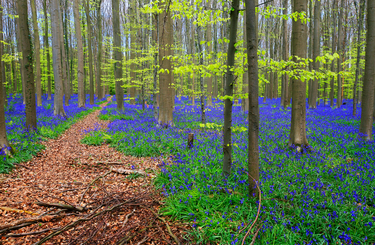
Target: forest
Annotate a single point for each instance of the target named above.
(187, 122)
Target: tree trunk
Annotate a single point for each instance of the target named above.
(155, 37)
(209, 50)
(80, 62)
(228, 103)
(332, 92)
(285, 101)
(316, 53)
(200, 52)
(339, 50)
(165, 78)
(253, 116)
(37, 54)
(56, 55)
(360, 21)
(25, 41)
(365, 129)
(297, 136)
(46, 46)
(245, 81)
(133, 47)
(89, 46)
(4, 143)
(117, 53)
(99, 60)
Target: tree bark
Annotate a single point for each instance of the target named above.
(360, 23)
(339, 50)
(245, 81)
(200, 52)
(46, 46)
(99, 61)
(117, 53)
(209, 50)
(316, 53)
(365, 129)
(332, 91)
(89, 46)
(165, 78)
(297, 136)
(80, 62)
(37, 54)
(285, 79)
(57, 58)
(228, 102)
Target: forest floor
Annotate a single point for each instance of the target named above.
(71, 193)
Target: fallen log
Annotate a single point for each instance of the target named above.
(31, 221)
(14, 210)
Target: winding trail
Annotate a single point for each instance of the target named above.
(68, 172)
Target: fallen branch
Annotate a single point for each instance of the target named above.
(110, 163)
(255, 235)
(59, 205)
(128, 171)
(20, 165)
(165, 222)
(92, 182)
(31, 221)
(17, 210)
(256, 218)
(15, 227)
(73, 224)
(29, 233)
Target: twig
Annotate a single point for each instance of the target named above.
(29, 233)
(92, 182)
(128, 171)
(17, 210)
(145, 239)
(114, 163)
(59, 205)
(255, 235)
(165, 222)
(20, 165)
(15, 227)
(256, 218)
(127, 217)
(86, 218)
(33, 220)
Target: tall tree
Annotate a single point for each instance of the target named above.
(25, 41)
(365, 129)
(166, 91)
(81, 89)
(332, 84)
(89, 46)
(297, 135)
(133, 43)
(284, 98)
(117, 53)
(209, 50)
(56, 29)
(360, 21)
(228, 102)
(316, 53)
(37, 53)
(46, 47)
(99, 60)
(253, 114)
(340, 51)
(200, 52)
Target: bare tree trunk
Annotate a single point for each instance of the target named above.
(37, 54)
(165, 78)
(80, 62)
(56, 55)
(46, 46)
(99, 61)
(339, 50)
(209, 49)
(89, 46)
(298, 124)
(284, 98)
(117, 53)
(332, 92)
(245, 86)
(133, 47)
(228, 103)
(200, 52)
(253, 116)
(360, 21)
(25, 41)
(316, 53)
(155, 37)
(365, 129)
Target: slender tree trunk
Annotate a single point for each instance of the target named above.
(133, 43)
(339, 50)
(155, 37)
(245, 86)
(25, 41)
(89, 46)
(285, 101)
(65, 55)
(298, 124)
(228, 103)
(57, 58)
(165, 78)
(37, 54)
(253, 116)
(209, 49)
(80, 62)
(117, 53)
(99, 61)
(332, 92)
(14, 74)
(200, 52)
(365, 129)
(360, 23)
(46, 43)
(316, 53)
(2, 65)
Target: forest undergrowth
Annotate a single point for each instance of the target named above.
(325, 196)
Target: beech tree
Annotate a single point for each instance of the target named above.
(228, 102)
(37, 54)
(25, 43)
(297, 136)
(80, 62)
(365, 129)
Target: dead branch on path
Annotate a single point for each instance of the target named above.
(29, 233)
(91, 183)
(62, 206)
(11, 226)
(17, 210)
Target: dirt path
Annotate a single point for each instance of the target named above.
(115, 207)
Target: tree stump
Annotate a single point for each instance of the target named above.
(190, 140)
